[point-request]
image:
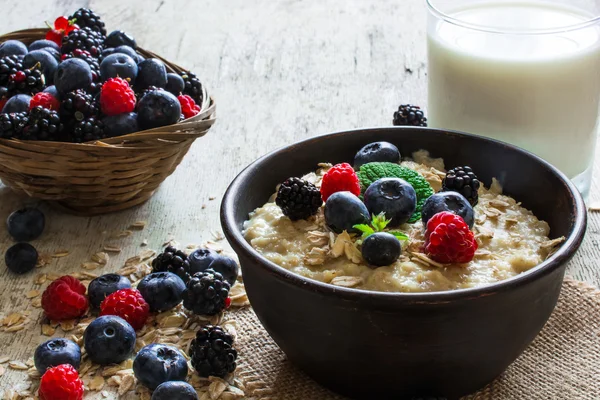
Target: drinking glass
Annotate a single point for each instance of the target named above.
(525, 72)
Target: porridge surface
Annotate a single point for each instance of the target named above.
(511, 240)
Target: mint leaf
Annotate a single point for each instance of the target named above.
(379, 222)
(365, 229)
(399, 235)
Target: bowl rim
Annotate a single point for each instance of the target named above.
(561, 256)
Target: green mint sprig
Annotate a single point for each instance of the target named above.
(378, 224)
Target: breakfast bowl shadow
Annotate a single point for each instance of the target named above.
(366, 344)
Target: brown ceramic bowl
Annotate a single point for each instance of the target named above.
(371, 345)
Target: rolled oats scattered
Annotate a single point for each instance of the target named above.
(553, 242)
(39, 279)
(347, 281)
(126, 384)
(2, 370)
(47, 330)
(18, 365)
(216, 388)
(424, 259)
(139, 225)
(32, 293)
(111, 248)
(67, 325)
(61, 253)
(4, 359)
(90, 266)
(101, 258)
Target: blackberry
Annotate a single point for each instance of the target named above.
(141, 94)
(172, 260)
(87, 57)
(409, 115)
(77, 106)
(298, 199)
(27, 81)
(463, 181)
(86, 18)
(88, 130)
(11, 125)
(212, 352)
(83, 39)
(193, 87)
(206, 293)
(42, 124)
(9, 65)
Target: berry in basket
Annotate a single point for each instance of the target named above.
(79, 85)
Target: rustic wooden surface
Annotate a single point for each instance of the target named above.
(281, 71)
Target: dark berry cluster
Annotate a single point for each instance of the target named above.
(206, 293)
(172, 260)
(86, 18)
(298, 199)
(212, 352)
(83, 39)
(192, 86)
(464, 181)
(409, 115)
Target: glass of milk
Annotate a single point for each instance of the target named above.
(522, 71)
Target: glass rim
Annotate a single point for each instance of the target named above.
(484, 28)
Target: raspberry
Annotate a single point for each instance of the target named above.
(189, 108)
(448, 239)
(61, 383)
(45, 100)
(117, 97)
(127, 304)
(64, 299)
(340, 178)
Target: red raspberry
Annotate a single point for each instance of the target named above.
(189, 108)
(64, 299)
(117, 97)
(127, 304)
(45, 100)
(61, 383)
(340, 178)
(448, 239)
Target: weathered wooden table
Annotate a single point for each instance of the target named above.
(280, 71)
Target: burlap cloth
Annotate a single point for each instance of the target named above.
(562, 363)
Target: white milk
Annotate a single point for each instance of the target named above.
(540, 92)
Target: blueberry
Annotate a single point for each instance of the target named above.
(448, 201)
(119, 38)
(158, 108)
(174, 390)
(21, 258)
(152, 72)
(393, 196)
(118, 65)
(381, 248)
(11, 48)
(104, 285)
(120, 124)
(17, 103)
(140, 58)
(109, 340)
(343, 210)
(42, 44)
(47, 62)
(201, 259)
(227, 267)
(26, 224)
(376, 152)
(162, 290)
(56, 352)
(54, 53)
(175, 84)
(125, 50)
(52, 90)
(158, 363)
(72, 74)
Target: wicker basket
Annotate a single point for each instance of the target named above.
(105, 176)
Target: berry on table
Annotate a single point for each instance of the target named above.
(62, 27)
(72, 74)
(128, 304)
(55, 352)
(158, 108)
(343, 210)
(172, 260)
(83, 39)
(64, 299)
(448, 239)
(226, 266)
(45, 100)
(376, 152)
(172, 390)
(61, 383)
(159, 363)
(11, 125)
(201, 259)
(116, 97)
(409, 115)
(162, 290)
(12, 48)
(212, 352)
(26, 224)
(381, 249)
(118, 66)
(86, 18)
(17, 104)
(42, 124)
(44, 60)
(77, 106)
(298, 199)
(109, 340)
(119, 38)
(121, 124)
(189, 108)
(192, 86)
(104, 285)
(207, 293)
(151, 72)
(340, 178)
(448, 201)
(175, 84)
(464, 181)
(90, 129)
(21, 258)
(394, 197)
